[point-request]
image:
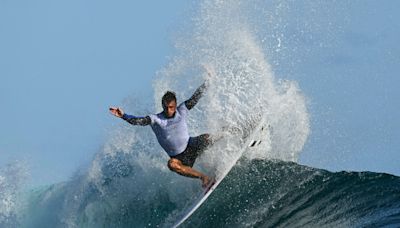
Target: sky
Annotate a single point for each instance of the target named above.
(62, 63)
(349, 71)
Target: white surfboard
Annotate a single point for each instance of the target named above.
(249, 142)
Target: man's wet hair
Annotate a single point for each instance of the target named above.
(167, 98)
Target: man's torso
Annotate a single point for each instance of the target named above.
(172, 133)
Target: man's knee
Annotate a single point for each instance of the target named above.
(174, 164)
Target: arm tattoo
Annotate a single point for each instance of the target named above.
(142, 121)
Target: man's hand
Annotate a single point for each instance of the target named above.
(117, 112)
(209, 70)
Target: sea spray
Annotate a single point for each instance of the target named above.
(243, 85)
(13, 178)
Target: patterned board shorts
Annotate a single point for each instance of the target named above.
(195, 147)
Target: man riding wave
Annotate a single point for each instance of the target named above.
(171, 130)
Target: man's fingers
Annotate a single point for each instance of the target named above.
(116, 111)
(113, 110)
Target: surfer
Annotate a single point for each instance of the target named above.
(171, 130)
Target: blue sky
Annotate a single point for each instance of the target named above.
(62, 63)
(349, 70)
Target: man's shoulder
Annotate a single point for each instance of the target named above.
(156, 117)
(182, 107)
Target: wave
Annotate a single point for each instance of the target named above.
(256, 193)
(284, 194)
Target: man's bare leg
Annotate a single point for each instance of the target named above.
(177, 166)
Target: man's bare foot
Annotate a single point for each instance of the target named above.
(206, 181)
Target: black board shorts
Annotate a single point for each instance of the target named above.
(195, 147)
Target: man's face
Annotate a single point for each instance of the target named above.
(170, 109)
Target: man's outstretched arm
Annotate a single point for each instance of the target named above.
(199, 91)
(135, 120)
(196, 96)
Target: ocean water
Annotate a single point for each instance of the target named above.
(127, 184)
(256, 193)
